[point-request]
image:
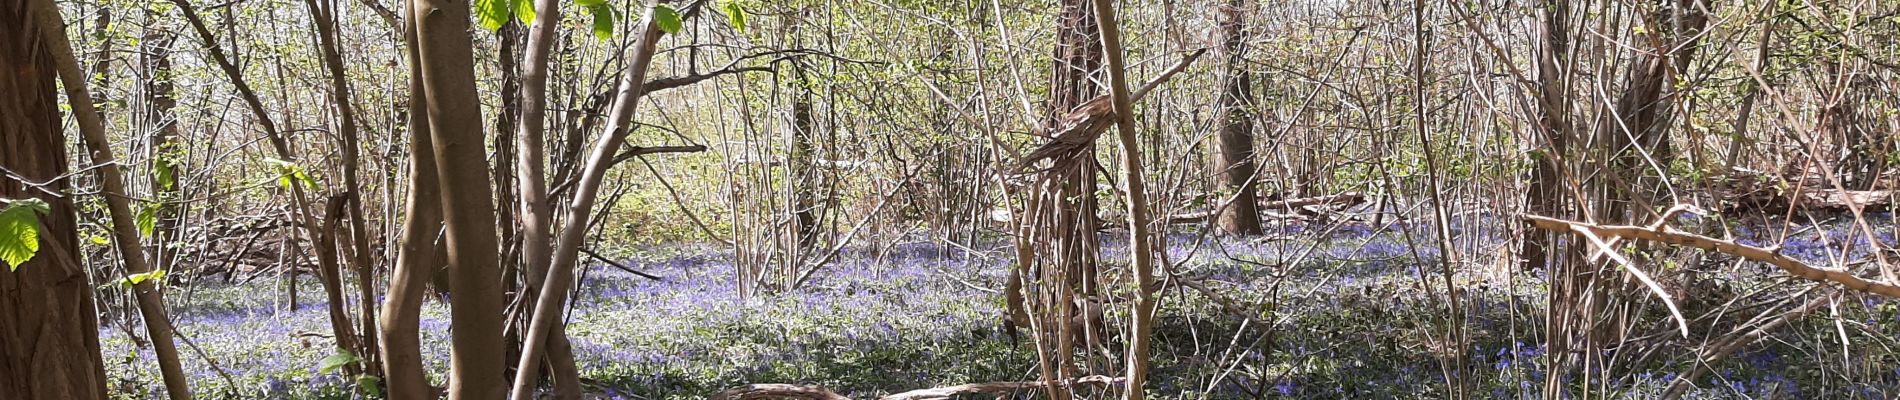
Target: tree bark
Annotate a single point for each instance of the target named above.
(455, 125)
(533, 210)
(1240, 214)
(552, 300)
(1141, 243)
(326, 20)
(151, 300)
(49, 341)
(416, 262)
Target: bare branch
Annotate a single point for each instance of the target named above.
(1672, 236)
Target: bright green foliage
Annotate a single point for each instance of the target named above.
(668, 19)
(338, 360)
(165, 171)
(147, 220)
(289, 173)
(491, 13)
(603, 19)
(20, 231)
(134, 279)
(524, 11)
(735, 14)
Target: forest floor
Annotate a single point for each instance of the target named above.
(1336, 311)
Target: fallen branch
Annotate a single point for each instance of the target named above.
(1348, 198)
(997, 388)
(1671, 236)
(622, 267)
(1728, 344)
(763, 391)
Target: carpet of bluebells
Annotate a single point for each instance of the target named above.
(1349, 310)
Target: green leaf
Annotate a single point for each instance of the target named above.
(370, 385)
(491, 13)
(164, 171)
(524, 11)
(590, 3)
(289, 173)
(667, 18)
(335, 361)
(735, 14)
(135, 279)
(20, 231)
(603, 21)
(147, 220)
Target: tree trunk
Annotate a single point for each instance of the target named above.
(325, 19)
(551, 302)
(1240, 215)
(534, 212)
(1141, 244)
(49, 340)
(1639, 143)
(416, 262)
(156, 61)
(151, 300)
(455, 124)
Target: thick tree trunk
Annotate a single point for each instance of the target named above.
(151, 300)
(1062, 213)
(49, 339)
(1241, 214)
(455, 125)
(1639, 142)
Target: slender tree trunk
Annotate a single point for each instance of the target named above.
(1142, 244)
(151, 300)
(49, 338)
(552, 300)
(455, 125)
(1241, 213)
(534, 211)
(1546, 185)
(325, 19)
(417, 260)
(167, 166)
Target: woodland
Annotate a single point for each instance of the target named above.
(949, 199)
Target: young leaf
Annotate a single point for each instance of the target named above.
(735, 14)
(603, 21)
(491, 13)
(590, 3)
(289, 173)
(20, 231)
(164, 172)
(370, 385)
(147, 220)
(335, 361)
(667, 18)
(524, 11)
(153, 275)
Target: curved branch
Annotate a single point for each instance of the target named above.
(1671, 236)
